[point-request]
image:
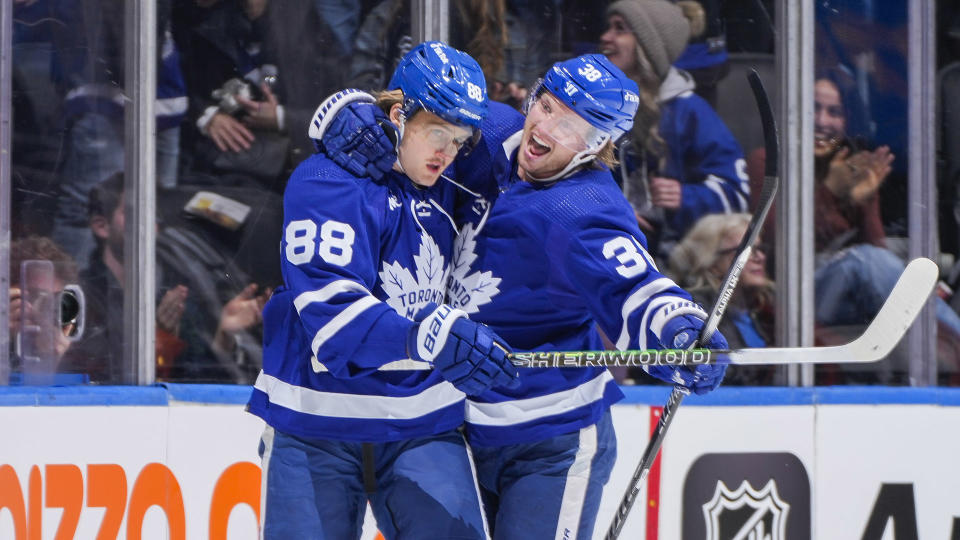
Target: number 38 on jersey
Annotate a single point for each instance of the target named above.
(334, 244)
(629, 253)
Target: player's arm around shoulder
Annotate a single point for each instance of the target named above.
(485, 165)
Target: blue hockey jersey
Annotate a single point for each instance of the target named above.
(359, 259)
(701, 154)
(544, 264)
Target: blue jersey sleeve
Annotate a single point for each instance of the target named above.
(705, 158)
(489, 161)
(608, 265)
(330, 253)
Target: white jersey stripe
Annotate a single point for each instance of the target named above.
(645, 320)
(326, 293)
(715, 184)
(661, 317)
(633, 303)
(476, 487)
(396, 365)
(342, 319)
(361, 406)
(267, 440)
(170, 106)
(518, 411)
(578, 480)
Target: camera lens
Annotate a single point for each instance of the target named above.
(69, 307)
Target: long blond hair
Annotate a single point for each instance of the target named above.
(692, 260)
(646, 123)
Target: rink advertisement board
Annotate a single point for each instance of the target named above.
(181, 462)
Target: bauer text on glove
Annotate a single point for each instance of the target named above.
(466, 353)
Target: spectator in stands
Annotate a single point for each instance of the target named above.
(705, 57)
(37, 120)
(311, 45)
(854, 269)
(50, 326)
(699, 264)
(478, 27)
(236, 126)
(88, 67)
(185, 349)
(680, 162)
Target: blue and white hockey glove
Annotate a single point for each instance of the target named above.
(678, 333)
(466, 353)
(353, 131)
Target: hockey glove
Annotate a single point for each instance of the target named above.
(466, 353)
(678, 333)
(353, 131)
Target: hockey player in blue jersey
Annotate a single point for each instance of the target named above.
(548, 251)
(362, 253)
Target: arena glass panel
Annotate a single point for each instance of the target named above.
(870, 180)
(66, 260)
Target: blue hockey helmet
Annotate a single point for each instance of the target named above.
(597, 90)
(443, 80)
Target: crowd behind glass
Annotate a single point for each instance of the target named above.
(238, 82)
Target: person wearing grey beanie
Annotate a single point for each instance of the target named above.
(681, 162)
(660, 28)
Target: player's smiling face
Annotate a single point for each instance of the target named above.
(428, 147)
(551, 137)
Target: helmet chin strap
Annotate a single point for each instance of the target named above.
(403, 120)
(575, 161)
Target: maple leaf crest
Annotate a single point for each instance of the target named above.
(408, 292)
(465, 290)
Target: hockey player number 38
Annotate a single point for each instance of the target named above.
(630, 254)
(335, 246)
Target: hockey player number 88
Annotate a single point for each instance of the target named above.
(335, 246)
(629, 253)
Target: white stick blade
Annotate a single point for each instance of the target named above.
(901, 308)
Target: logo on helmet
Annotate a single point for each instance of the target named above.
(570, 88)
(469, 114)
(631, 97)
(438, 48)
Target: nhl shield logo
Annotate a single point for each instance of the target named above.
(746, 513)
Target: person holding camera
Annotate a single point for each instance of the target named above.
(235, 123)
(44, 310)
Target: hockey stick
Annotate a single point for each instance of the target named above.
(899, 310)
(770, 184)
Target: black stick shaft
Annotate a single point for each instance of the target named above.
(770, 185)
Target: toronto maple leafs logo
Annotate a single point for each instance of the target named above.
(408, 293)
(746, 513)
(465, 290)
